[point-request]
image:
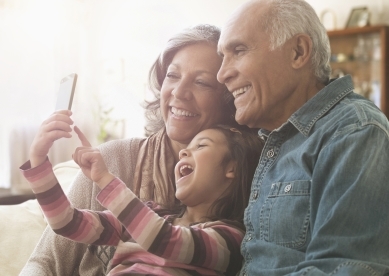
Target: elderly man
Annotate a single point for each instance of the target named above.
(320, 197)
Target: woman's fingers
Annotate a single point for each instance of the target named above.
(81, 136)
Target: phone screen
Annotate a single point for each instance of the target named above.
(66, 92)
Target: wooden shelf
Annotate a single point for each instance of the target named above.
(368, 69)
(357, 30)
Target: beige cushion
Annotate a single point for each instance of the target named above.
(22, 225)
(65, 173)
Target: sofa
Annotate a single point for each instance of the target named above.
(22, 225)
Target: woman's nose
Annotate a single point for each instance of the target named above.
(182, 91)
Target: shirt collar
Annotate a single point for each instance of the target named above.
(305, 117)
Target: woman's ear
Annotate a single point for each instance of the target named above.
(302, 49)
(230, 169)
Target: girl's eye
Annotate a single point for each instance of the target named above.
(200, 146)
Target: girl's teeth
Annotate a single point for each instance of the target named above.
(185, 170)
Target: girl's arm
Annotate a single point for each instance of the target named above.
(85, 226)
(214, 245)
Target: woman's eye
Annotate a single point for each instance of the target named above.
(202, 83)
(171, 75)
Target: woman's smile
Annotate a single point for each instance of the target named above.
(177, 112)
(190, 93)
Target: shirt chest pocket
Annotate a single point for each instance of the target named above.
(285, 215)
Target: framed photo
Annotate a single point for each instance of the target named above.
(359, 17)
(328, 19)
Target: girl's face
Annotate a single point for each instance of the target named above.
(200, 175)
(191, 96)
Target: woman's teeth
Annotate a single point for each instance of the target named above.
(181, 112)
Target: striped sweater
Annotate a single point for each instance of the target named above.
(146, 243)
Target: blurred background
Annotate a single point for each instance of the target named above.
(110, 44)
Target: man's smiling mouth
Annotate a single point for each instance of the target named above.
(240, 91)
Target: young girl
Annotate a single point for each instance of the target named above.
(213, 179)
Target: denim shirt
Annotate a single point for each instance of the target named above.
(319, 202)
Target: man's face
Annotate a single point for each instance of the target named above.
(260, 79)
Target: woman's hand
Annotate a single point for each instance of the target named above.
(57, 126)
(91, 162)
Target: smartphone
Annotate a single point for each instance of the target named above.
(66, 92)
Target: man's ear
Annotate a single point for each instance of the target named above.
(230, 169)
(301, 50)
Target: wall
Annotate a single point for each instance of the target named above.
(379, 9)
(110, 44)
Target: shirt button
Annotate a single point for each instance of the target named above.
(287, 188)
(249, 238)
(270, 153)
(255, 195)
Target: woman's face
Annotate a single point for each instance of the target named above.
(191, 96)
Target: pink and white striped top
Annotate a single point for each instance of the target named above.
(146, 243)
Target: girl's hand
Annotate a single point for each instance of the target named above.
(57, 126)
(91, 162)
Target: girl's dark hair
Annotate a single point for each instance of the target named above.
(198, 34)
(245, 149)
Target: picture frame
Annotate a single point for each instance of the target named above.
(328, 19)
(359, 17)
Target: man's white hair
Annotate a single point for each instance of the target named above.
(285, 18)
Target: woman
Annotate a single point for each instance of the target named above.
(188, 100)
